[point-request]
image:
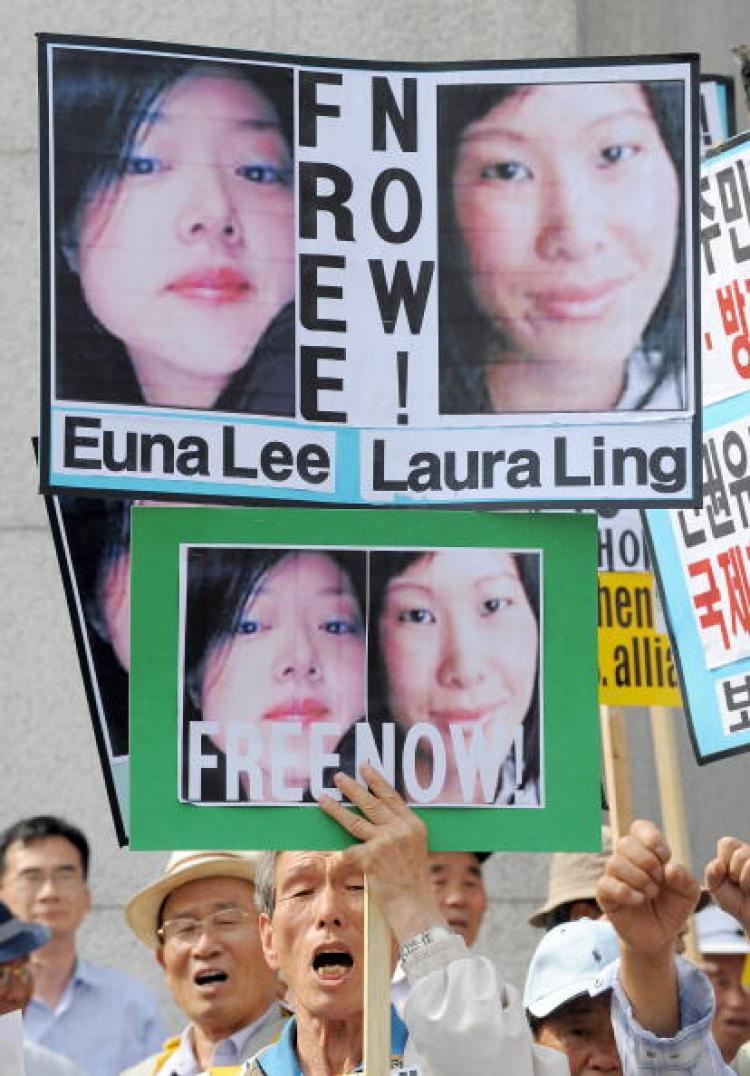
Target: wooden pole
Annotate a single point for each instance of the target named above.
(672, 802)
(616, 757)
(377, 1015)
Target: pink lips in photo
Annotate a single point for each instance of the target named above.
(576, 303)
(222, 284)
(462, 715)
(306, 710)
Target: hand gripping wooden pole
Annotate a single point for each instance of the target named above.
(672, 802)
(377, 1014)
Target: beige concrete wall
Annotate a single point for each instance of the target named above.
(708, 27)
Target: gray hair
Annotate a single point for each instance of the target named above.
(265, 882)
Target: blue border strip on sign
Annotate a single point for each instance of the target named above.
(709, 739)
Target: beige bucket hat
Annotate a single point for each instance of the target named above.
(142, 910)
(573, 876)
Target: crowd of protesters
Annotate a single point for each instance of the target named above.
(263, 954)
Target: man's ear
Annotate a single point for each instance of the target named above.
(265, 923)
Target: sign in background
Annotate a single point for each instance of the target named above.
(702, 555)
(725, 269)
(636, 665)
(571, 742)
(349, 396)
(622, 544)
(718, 114)
(703, 562)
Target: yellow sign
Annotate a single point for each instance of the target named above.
(636, 665)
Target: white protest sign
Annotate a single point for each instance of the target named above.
(386, 308)
(725, 270)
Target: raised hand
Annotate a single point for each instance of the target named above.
(393, 852)
(728, 879)
(646, 896)
(648, 899)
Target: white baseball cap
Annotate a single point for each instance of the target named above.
(720, 933)
(568, 963)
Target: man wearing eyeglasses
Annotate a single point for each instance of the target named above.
(201, 920)
(98, 1017)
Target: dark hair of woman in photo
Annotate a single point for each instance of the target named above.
(562, 260)
(174, 225)
(272, 636)
(98, 538)
(453, 641)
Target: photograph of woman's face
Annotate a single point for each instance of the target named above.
(460, 644)
(188, 256)
(567, 203)
(297, 655)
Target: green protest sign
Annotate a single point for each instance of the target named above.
(455, 651)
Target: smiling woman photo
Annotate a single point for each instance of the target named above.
(454, 653)
(274, 645)
(561, 252)
(174, 219)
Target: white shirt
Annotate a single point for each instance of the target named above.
(39, 1061)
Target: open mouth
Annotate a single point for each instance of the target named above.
(332, 964)
(208, 978)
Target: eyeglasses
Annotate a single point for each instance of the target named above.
(185, 931)
(9, 973)
(31, 881)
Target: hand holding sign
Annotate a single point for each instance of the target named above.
(728, 878)
(399, 898)
(393, 852)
